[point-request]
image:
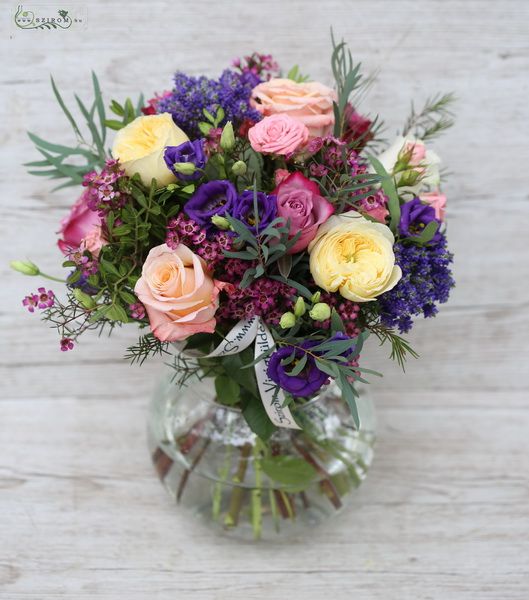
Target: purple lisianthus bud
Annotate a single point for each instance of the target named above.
(216, 197)
(188, 152)
(414, 216)
(266, 208)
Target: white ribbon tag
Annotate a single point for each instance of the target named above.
(238, 339)
(272, 397)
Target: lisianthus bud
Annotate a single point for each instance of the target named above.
(287, 320)
(186, 168)
(84, 299)
(239, 168)
(26, 267)
(316, 297)
(321, 311)
(300, 308)
(220, 222)
(227, 138)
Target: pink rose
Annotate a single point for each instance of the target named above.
(417, 152)
(299, 200)
(280, 175)
(179, 294)
(438, 201)
(311, 103)
(278, 134)
(94, 241)
(78, 224)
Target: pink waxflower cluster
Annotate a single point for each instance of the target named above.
(42, 299)
(103, 193)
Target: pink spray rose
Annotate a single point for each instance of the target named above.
(438, 201)
(94, 241)
(178, 292)
(78, 224)
(311, 103)
(299, 200)
(278, 134)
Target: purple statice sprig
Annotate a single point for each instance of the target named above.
(426, 281)
(190, 96)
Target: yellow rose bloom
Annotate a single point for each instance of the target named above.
(354, 256)
(140, 147)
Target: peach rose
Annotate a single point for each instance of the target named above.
(311, 103)
(179, 294)
(278, 134)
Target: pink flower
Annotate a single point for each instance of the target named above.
(280, 175)
(179, 294)
(299, 200)
(438, 201)
(278, 134)
(93, 241)
(417, 152)
(78, 224)
(310, 103)
(375, 206)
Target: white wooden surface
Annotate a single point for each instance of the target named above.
(444, 513)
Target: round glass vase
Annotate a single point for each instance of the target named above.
(213, 465)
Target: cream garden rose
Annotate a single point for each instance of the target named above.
(140, 146)
(355, 257)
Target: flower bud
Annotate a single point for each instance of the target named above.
(227, 138)
(84, 299)
(321, 311)
(300, 308)
(239, 168)
(287, 320)
(220, 222)
(26, 267)
(172, 187)
(315, 297)
(185, 168)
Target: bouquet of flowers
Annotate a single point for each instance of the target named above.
(254, 228)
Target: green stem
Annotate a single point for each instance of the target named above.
(217, 491)
(237, 494)
(51, 278)
(257, 509)
(273, 508)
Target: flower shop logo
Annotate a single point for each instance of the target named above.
(47, 17)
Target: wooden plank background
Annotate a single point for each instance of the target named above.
(444, 513)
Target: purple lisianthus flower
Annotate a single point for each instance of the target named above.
(414, 216)
(311, 379)
(188, 152)
(216, 197)
(266, 208)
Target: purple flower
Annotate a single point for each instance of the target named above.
(311, 379)
(213, 198)
(414, 216)
(188, 152)
(266, 208)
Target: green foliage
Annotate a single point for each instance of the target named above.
(347, 77)
(433, 119)
(390, 189)
(227, 389)
(400, 348)
(255, 414)
(212, 121)
(289, 471)
(56, 163)
(126, 111)
(146, 346)
(295, 75)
